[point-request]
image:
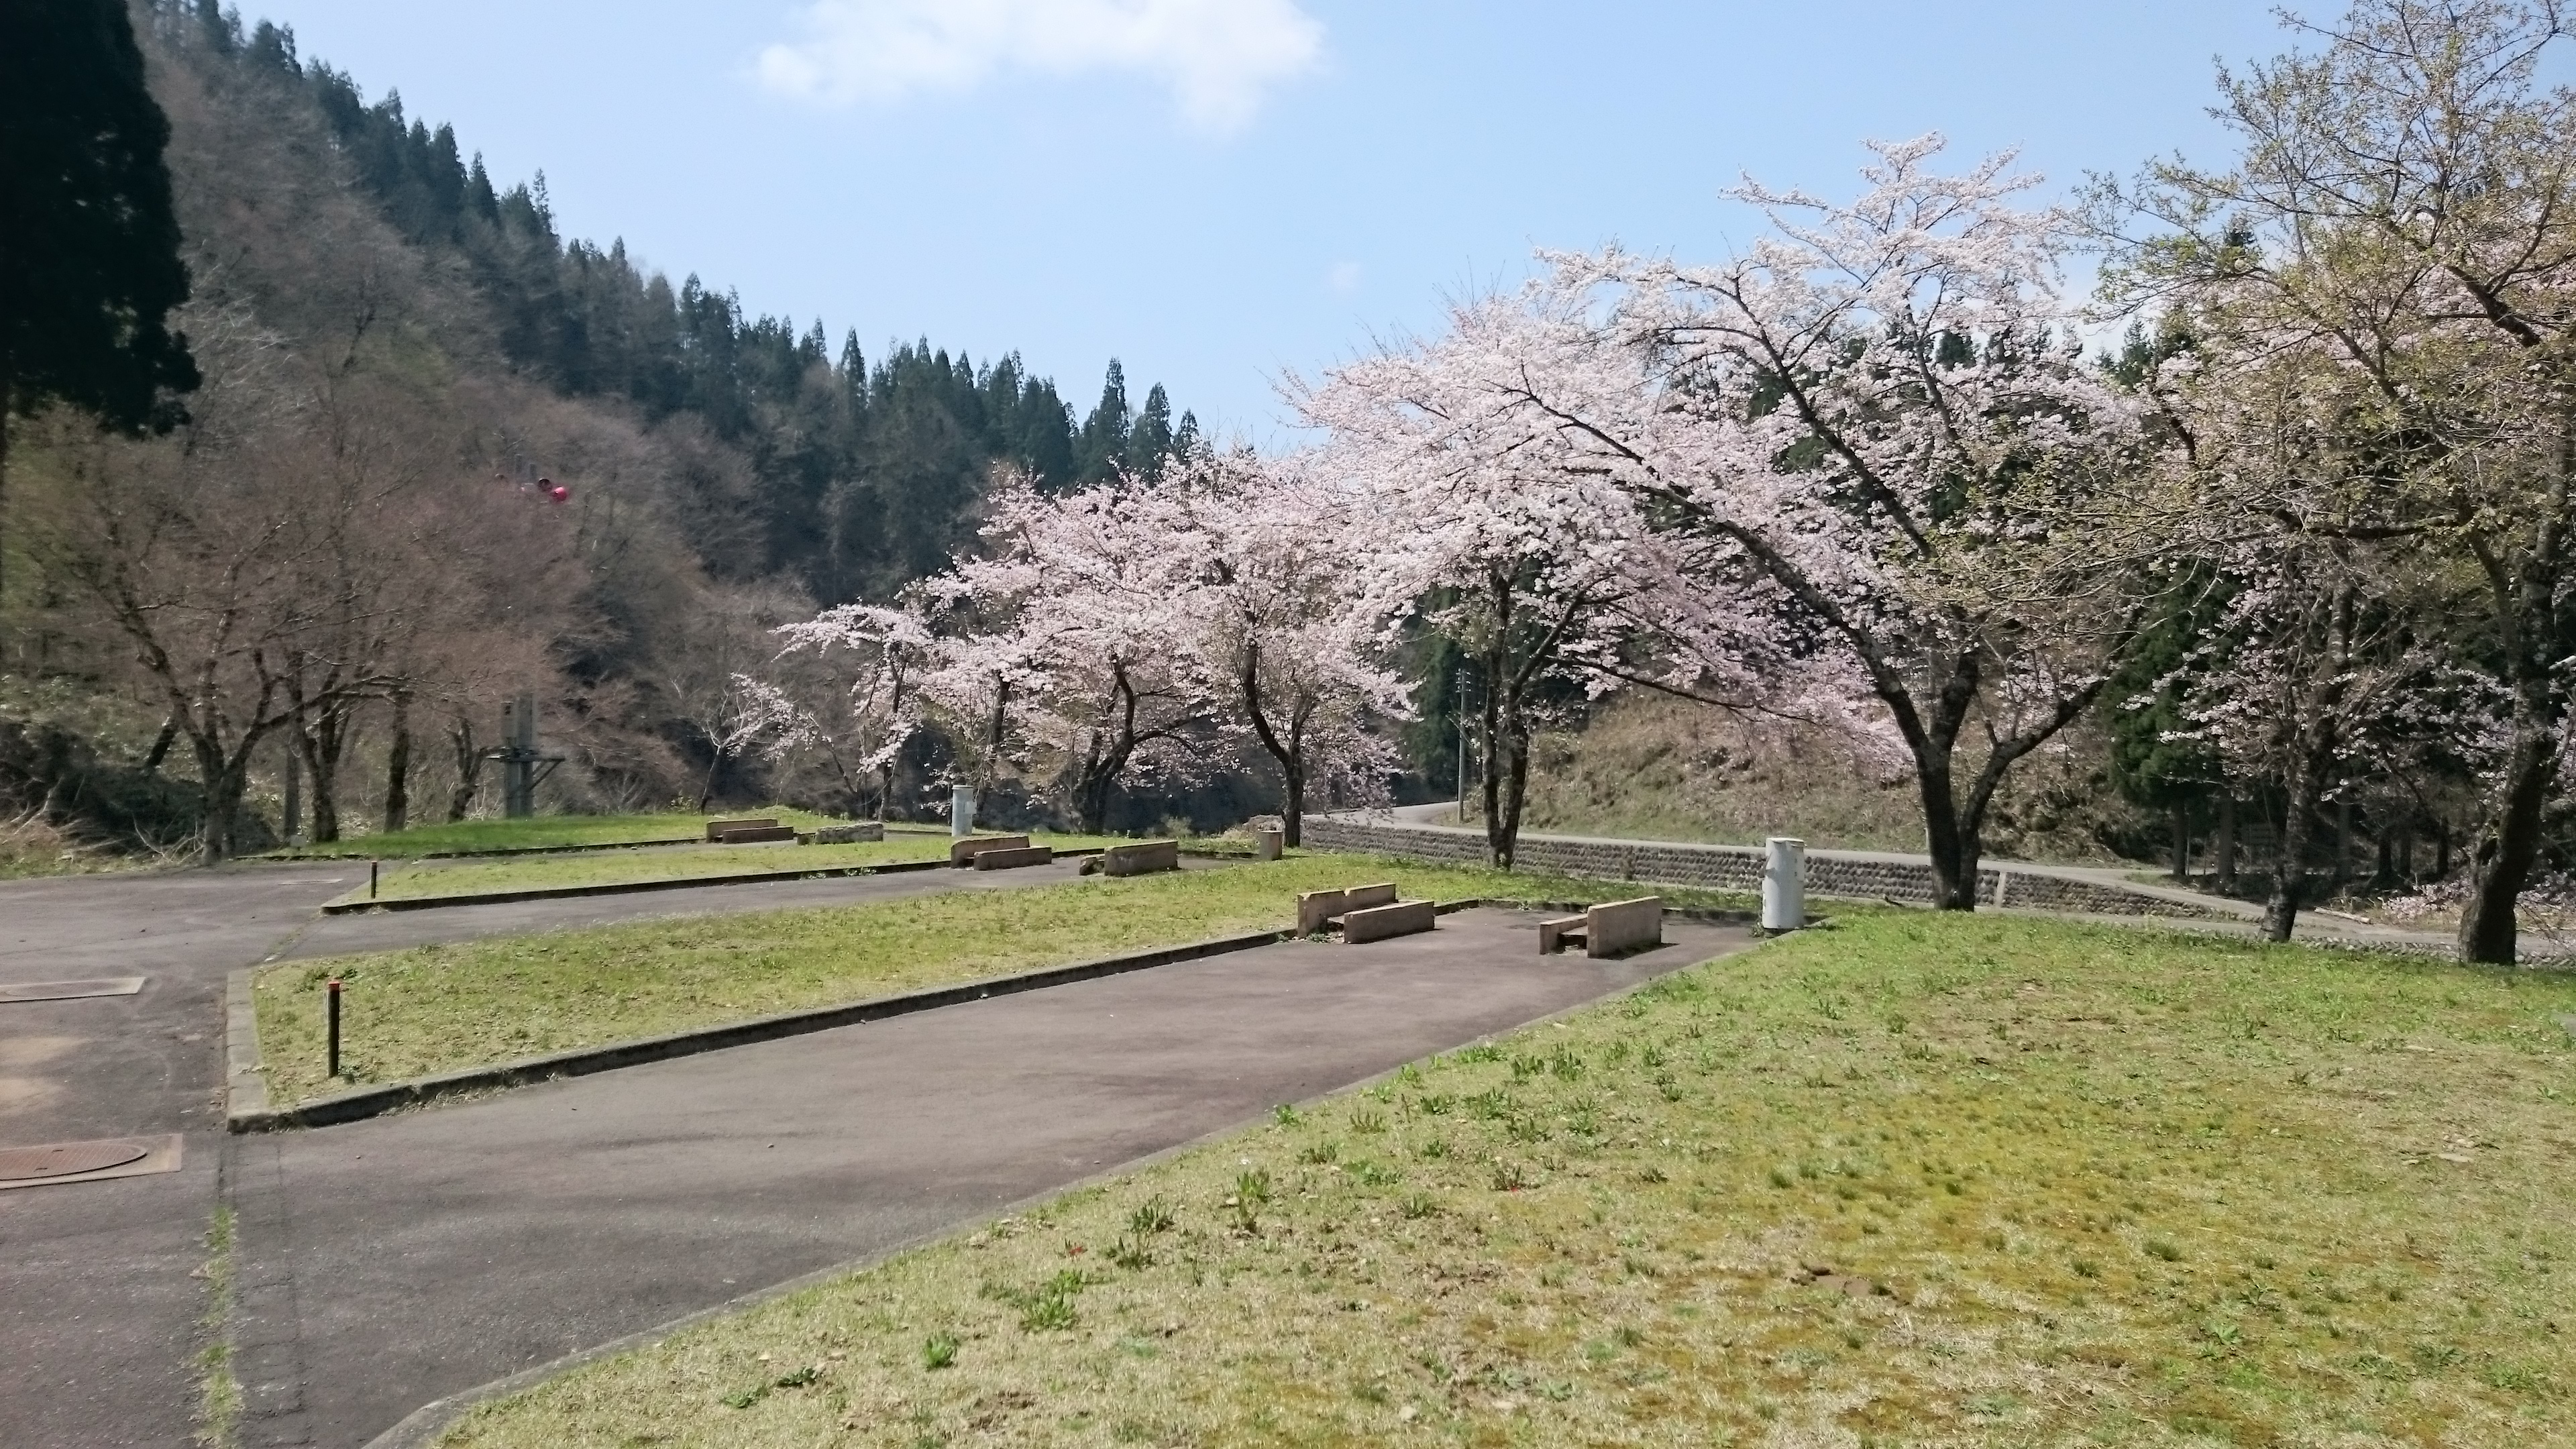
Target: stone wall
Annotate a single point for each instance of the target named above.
(1739, 868)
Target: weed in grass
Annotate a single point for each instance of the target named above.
(1780, 1178)
(1286, 1115)
(1481, 1052)
(1418, 1205)
(2165, 1249)
(1153, 1215)
(1131, 1253)
(745, 1398)
(1510, 1177)
(1433, 1150)
(1373, 1174)
(939, 1351)
(1435, 1104)
(1317, 1154)
(1368, 1123)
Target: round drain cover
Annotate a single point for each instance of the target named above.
(20, 1163)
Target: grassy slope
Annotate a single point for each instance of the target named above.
(547, 830)
(539, 872)
(437, 1008)
(2115, 1186)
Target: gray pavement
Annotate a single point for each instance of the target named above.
(391, 1262)
(98, 1312)
(100, 1316)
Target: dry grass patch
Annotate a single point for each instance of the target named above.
(1916, 1180)
(440, 1008)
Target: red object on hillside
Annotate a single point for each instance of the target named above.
(559, 493)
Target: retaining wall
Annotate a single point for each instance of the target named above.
(1739, 868)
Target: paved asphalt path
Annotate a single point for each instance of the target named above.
(395, 1261)
(99, 1311)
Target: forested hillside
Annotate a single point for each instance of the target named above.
(522, 462)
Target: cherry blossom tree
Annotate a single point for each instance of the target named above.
(845, 685)
(1277, 614)
(1488, 520)
(2402, 218)
(1069, 630)
(1872, 434)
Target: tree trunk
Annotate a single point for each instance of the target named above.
(1506, 763)
(2182, 842)
(324, 746)
(2500, 863)
(469, 769)
(1288, 754)
(291, 811)
(1953, 851)
(398, 767)
(992, 749)
(2227, 841)
(2343, 840)
(5, 387)
(161, 743)
(2290, 858)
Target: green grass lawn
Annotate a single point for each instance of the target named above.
(547, 831)
(428, 879)
(439, 1008)
(1913, 1180)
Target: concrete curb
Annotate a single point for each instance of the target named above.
(421, 1427)
(242, 1117)
(245, 1090)
(620, 888)
(311, 857)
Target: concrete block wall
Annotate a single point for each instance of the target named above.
(1739, 868)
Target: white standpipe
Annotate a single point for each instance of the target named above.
(1784, 884)
(961, 810)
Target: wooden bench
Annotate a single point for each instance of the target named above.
(1613, 928)
(1143, 858)
(963, 852)
(1011, 857)
(723, 832)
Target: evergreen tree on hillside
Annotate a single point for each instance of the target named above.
(867, 477)
(1150, 440)
(89, 243)
(1104, 434)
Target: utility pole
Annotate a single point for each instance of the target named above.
(519, 758)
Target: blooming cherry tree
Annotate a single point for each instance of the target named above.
(1872, 435)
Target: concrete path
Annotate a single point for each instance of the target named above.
(99, 1311)
(395, 1261)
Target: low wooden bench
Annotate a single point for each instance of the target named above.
(1011, 857)
(865, 832)
(1142, 858)
(963, 852)
(721, 832)
(1613, 928)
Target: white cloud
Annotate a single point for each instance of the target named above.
(1220, 57)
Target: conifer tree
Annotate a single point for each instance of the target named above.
(1104, 433)
(1151, 438)
(89, 242)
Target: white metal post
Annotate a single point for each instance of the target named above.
(1784, 884)
(961, 810)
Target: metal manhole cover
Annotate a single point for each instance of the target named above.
(17, 1164)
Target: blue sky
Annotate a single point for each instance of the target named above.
(1218, 191)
